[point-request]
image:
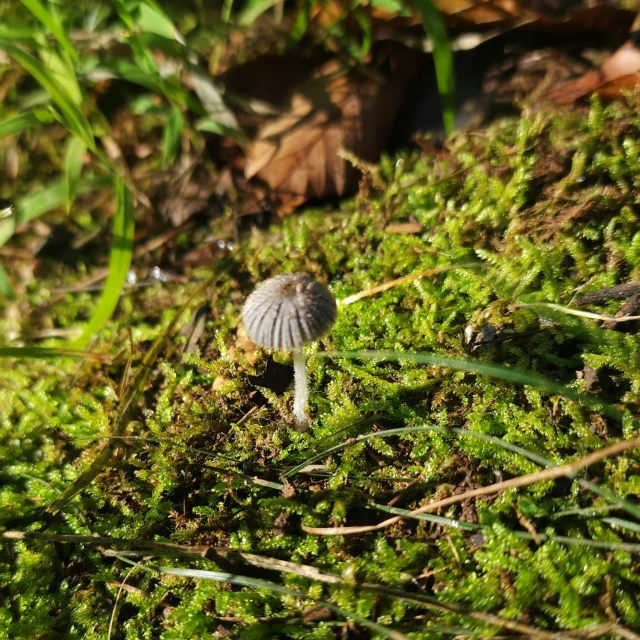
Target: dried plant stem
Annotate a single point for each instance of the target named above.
(116, 604)
(576, 312)
(227, 558)
(522, 481)
(301, 388)
(413, 276)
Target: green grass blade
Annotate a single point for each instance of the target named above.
(7, 229)
(442, 59)
(50, 23)
(300, 25)
(256, 583)
(73, 161)
(126, 408)
(629, 547)
(388, 433)
(63, 73)
(253, 9)
(72, 116)
(500, 372)
(126, 70)
(6, 286)
(152, 19)
(172, 136)
(427, 517)
(625, 524)
(34, 205)
(46, 353)
(43, 201)
(19, 34)
(23, 121)
(95, 17)
(119, 263)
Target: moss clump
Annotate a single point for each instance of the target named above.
(536, 209)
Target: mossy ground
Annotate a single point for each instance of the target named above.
(545, 206)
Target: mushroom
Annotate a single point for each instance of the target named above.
(286, 312)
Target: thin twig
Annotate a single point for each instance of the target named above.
(619, 292)
(414, 276)
(225, 555)
(521, 481)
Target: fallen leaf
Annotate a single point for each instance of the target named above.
(502, 15)
(620, 70)
(296, 153)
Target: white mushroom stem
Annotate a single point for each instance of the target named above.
(301, 388)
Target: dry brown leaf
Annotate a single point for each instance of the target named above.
(563, 15)
(296, 154)
(621, 70)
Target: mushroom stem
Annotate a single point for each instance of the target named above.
(301, 388)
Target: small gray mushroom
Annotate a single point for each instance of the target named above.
(286, 312)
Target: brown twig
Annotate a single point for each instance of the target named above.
(527, 524)
(226, 556)
(619, 292)
(522, 481)
(628, 309)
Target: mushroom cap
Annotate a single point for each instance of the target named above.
(288, 311)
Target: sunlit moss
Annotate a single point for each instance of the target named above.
(544, 208)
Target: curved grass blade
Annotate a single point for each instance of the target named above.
(214, 104)
(73, 118)
(388, 433)
(172, 136)
(31, 207)
(24, 121)
(615, 500)
(40, 202)
(629, 547)
(256, 583)
(63, 72)
(151, 18)
(442, 59)
(283, 566)
(126, 408)
(73, 168)
(252, 10)
(6, 286)
(46, 353)
(300, 25)
(119, 263)
(19, 34)
(50, 23)
(492, 370)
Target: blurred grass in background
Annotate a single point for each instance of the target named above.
(68, 68)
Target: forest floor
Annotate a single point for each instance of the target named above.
(180, 431)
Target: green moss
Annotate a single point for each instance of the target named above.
(544, 207)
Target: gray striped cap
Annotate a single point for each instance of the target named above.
(288, 311)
